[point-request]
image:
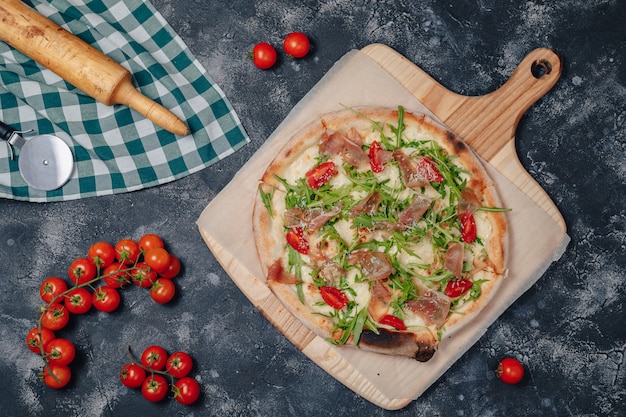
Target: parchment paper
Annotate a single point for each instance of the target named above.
(356, 80)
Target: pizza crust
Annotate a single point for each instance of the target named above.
(269, 236)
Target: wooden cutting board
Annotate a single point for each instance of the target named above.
(377, 75)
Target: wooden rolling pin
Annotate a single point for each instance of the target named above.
(78, 63)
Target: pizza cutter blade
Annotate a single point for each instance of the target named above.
(45, 161)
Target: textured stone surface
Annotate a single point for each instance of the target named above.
(568, 329)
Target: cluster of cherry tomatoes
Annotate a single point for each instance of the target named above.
(295, 44)
(153, 370)
(96, 280)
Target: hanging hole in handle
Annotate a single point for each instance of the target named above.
(540, 68)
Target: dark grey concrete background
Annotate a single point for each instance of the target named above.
(569, 329)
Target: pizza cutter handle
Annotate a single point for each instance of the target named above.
(6, 131)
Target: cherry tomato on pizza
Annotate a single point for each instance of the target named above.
(116, 275)
(163, 290)
(154, 388)
(150, 241)
(60, 351)
(52, 287)
(106, 299)
(393, 321)
(264, 55)
(321, 174)
(468, 227)
(375, 151)
(457, 287)
(55, 317)
(142, 275)
(132, 375)
(297, 240)
(179, 364)
(154, 357)
(127, 251)
(158, 259)
(334, 297)
(36, 336)
(173, 268)
(102, 254)
(510, 370)
(56, 376)
(186, 390)
(78, 300)
(296, 44)
(428, 170)
(82, 270)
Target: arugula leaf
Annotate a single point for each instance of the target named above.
(266, 198)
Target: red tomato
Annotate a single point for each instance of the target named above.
(154, 357)
(82, 270)
(427, 169)
(264, 55)
(132, 375)
(510, 370)
(56, 376)
(296, 44)
(468, 227)
(179, 364)
(458, 287)
(150, 241)
(60, 352)
(116, 275)
(55, 317)
(374, 154)
(142, 275)
(186, 391)
(78, 300)
(158, 259)
(154, 388)
(173, 269)
(127, 251)
(163, 290)
(52, 287)
(393, 321)
(106, 299)
(334, 297)
(102, 254)
(36, 335)
(320, 174)
(296, 239)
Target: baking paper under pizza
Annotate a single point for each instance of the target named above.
(380, 230)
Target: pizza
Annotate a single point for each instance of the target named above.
(380, 230)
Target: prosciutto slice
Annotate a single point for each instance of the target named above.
(347, 145)
(414, 211)
(312, 219)
(453, 259)
(380, 301)
(374, 265)
(369, 205)
(432, 306)
(409, 168)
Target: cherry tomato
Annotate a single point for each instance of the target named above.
(457, 287)
(132, 375)
(154, 357)
(163, 290)
(321, 174)
(186, 391)
(55, 317)
(296, 239)
(52, 287)
(150, 241)
(154, 388)
(374, 153)
(334, 297)
(82, 270)
(60, 352)
(468, 227)
(34, 337)
(510, 370)
(179, 364)
(173, 269)
(116, 275)
(158, 259)
(102, 254)
(428, 170)
(106, 299)
(62, 373)
(264, 55)
(142, 275)
(127, 251)
(78, 300)
(296, 44)
(393, 321)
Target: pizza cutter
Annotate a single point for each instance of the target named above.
(45, 161)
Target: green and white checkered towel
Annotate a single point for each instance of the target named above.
(115, 148)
